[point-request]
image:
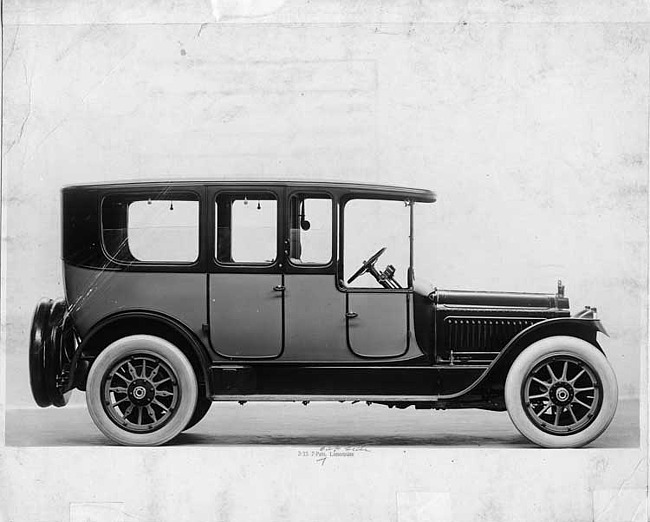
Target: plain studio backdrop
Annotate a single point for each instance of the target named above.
(529, 120)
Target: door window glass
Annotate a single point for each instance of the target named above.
(246, 228)
(370, 225)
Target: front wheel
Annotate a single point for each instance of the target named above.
(561, 392)
(141, 391)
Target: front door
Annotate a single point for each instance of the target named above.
(376, 235)
(246, 287)
(377, 323)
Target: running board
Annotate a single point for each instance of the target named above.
(323, 398)
(276, 382)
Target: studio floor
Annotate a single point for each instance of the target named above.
(316, 424)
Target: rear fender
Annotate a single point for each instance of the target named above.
(138, 322)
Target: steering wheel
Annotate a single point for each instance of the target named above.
(367, 265)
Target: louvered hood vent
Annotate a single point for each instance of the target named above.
(471, 334)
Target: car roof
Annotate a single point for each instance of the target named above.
(360, 188)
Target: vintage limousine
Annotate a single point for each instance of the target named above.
(182, 293)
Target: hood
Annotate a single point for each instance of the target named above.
(499, 299)
(469, 298)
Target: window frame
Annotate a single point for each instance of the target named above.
(130, 196)
(340, 277)
(220, 266)
(310, 267)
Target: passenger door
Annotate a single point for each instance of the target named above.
(314, 306)
(246, 287)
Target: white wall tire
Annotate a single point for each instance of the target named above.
(141, 391)
(201, 409)
(561, 392)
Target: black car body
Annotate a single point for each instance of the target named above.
(222, 321)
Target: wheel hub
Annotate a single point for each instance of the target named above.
(561, 393)
(141, 392)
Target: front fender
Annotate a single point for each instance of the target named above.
(584, 328)
(494, 376)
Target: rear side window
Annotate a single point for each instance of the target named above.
(151, 230)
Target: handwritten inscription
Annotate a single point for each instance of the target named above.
(323, 453)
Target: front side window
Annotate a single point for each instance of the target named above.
(310, 229)
(246, 228)
(369, 226)
(151, 229)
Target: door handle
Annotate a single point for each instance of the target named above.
(351, 315)
(279, 288)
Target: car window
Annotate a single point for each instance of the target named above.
(246, 228)
(164, 230)
(369, 225)
(310, 229)
(151, 230)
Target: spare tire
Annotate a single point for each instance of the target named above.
(57, 354)
(51, 346)
(40, 332)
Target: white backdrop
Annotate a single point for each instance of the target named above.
(534, 136)
(529, 120)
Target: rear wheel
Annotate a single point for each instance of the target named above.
(141, 391)
(561, 392)
(201, 410)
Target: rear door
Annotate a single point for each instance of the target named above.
(314, 306)
(246, 287)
